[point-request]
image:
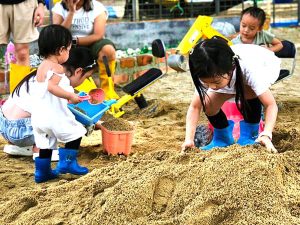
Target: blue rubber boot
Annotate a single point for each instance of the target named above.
(248, 133)
(68, 162)
(43, 171)
(221, 137)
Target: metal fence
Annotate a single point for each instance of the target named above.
(281, 12)
(169, 9)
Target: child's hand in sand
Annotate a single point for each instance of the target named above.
(266, 141)
(187, 144)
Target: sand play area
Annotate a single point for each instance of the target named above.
(155, 184)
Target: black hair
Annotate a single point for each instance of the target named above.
(87, 5)
(214, 58)
(80, 57)
(52, 38)
(24, 80)
(255, 12)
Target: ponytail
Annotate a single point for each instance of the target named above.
(240, 100)
(24, 80)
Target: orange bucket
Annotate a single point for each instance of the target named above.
(116, 142)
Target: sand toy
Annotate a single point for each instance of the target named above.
(134, 89)
(201, 29)
(88, 114)
(95, 96)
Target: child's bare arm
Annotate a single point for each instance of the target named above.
(269, 103)
(192, 118)
(59, 92)
(276, 45)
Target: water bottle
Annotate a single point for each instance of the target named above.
(10, 54)
(9, 58)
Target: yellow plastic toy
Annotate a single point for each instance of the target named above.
(116, 108)
(201, 29)
(17, 73)
(87, 85)
(134, 89)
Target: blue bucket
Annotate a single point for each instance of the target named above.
(87, 113)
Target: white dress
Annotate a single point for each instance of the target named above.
(51, 119)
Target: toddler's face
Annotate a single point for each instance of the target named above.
(249, 26)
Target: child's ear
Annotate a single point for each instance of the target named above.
(61, 50)
(78, 71)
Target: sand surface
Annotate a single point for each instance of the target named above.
(155, 184)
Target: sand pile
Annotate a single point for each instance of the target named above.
(158, 185)
(232, 186)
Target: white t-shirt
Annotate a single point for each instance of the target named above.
(259, 65)
(83, 22)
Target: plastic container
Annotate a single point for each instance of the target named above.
(116, 142)
(87, 113)
(232, 113)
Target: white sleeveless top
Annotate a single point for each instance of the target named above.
(51, 119)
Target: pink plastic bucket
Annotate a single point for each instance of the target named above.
(232, 113)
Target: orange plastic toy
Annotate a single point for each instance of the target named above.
(116, 142)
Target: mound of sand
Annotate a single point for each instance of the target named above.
(156, 184)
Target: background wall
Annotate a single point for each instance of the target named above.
(138, 34)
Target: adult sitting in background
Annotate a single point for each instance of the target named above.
(15, 114)
(86, 20)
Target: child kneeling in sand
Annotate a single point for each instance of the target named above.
(220, 72)
(51, 119)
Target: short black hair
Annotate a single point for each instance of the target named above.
(52, 38)
(257, 13)
(79, 57)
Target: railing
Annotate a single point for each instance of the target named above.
(142, 10)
